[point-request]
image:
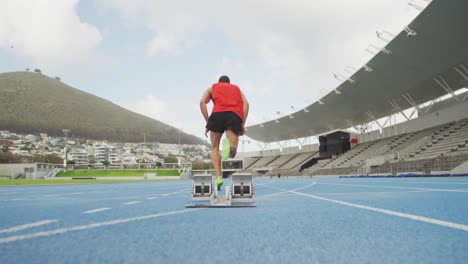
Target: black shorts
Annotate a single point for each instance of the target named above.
(222, 121)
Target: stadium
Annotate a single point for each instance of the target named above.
(371, 189)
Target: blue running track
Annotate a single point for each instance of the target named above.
(313, 220)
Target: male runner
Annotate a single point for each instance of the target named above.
(230, 110)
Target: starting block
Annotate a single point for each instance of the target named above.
(202, 187)
(239, 193)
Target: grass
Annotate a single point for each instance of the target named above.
(57, 182)
(115, 173)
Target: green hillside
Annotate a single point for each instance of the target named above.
(35, 103)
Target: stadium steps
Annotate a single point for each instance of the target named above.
(264, 162)
(268, 163)
(253, 163)
(444, 140)
(430, 144)
(309, 157)
(293, 162)
(403, 139)
(282, 160)
(288, 160)
(350, 154)
(359, 153)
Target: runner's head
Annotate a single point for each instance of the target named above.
(224, 79)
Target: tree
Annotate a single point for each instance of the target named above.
(10, 158)
(158, 164)
(170, 159)
(49, 158)
(200, 165)
(106, 163)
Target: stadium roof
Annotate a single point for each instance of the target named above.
(411, 70)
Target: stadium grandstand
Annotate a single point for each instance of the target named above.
(420, 77)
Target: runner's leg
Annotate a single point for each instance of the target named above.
(215, 158)
(233, 141)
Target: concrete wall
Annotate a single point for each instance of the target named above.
(36, 170)
(460, 169)
(11, 169)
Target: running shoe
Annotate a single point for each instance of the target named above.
(219, 182)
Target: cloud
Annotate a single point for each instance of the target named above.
(171, 112)
(303, 40)
(162, 43)
(286, 52)
(50, 34)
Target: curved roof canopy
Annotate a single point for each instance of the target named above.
(412, 69)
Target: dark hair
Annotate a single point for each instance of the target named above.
(224, 79)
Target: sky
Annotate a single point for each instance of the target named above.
(157, 57)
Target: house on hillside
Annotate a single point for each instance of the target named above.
(79, 155)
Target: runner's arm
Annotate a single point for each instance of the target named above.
(206, 98)
(246, 111)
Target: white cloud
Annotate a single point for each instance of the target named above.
(49, 33)
(289, 50)
(162, 43)
(306, 41)
(172, 112)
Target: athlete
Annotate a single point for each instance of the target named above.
(230, 110)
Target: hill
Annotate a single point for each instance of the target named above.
(35, 103)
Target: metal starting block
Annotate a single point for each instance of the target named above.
(202, 187)
(239, 193)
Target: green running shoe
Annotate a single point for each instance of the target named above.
(219, 182)
(225, 149)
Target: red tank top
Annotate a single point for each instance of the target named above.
(227, 98)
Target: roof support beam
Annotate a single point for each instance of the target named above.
(462, 71)
(293, 135)
(263, 146)
(464, 98)
(381, 35)
(398, 108)
(410, 100)
(410, 32)
(342, 78)
(372, 49)
(367, 68)
(441, 81)
(361, 129)
(389, 119)
(282, 145)
(373, 118)
(428, 108)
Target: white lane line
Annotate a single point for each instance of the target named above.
(62, 194)
(286, 191)
(347, 193)
(167, 194)
(395, 187)
(96, 210)
(413, 182)
(90, 226)
(389, 212)
(133, 202)
(5, 193)
(26, 226)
